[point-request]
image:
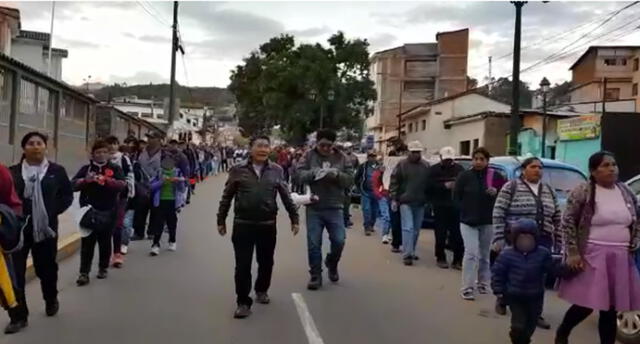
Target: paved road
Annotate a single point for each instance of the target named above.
(187, 296)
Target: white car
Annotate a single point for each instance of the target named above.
(629, 322)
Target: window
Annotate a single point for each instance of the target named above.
(424, 124)
(636, 64)
(476, 143)
(615, 62)
(410, 86)
(465, 147)
(634, 89)
(635, 186)
(612, 94)
(420, 68)
(410, 127)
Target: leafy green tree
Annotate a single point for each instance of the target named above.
(294, 86)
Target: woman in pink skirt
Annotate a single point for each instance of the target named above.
(601, 231)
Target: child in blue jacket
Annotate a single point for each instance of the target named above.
(519, 279)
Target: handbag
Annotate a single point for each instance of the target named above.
(97, 220)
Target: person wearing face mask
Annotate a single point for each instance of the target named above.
(528, 197)
(408, 190)
(45, 191)
(602, 232)
(100, 184)
(518, 279)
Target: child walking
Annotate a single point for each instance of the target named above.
(518, 279)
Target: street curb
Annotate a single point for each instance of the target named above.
(66, 248)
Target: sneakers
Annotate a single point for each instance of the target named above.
(263, 298)
(52, 307)
(117, 261)
(416, 257)
(543, 324)
(242, 312)
(408, 261)
(501, 308)
(467, 295)
(172, 246)
(124, 249)
(15, 326)
(396, 250)
(102, 274)
(83, 280)
(333, 271)
(385, 239)
(155, 250)
(483, 289)
(442, 264)
(315, 282)
(368, 231)
(456, 266)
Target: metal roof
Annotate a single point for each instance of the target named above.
(35, 35)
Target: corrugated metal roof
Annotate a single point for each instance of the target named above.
(35, 35)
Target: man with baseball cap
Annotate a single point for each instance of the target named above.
(442, 177)
(408, 189)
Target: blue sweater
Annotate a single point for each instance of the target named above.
(521, 274)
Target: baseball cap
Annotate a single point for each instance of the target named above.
(415, 146)
(447, 153)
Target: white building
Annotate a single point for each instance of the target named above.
(32, 49)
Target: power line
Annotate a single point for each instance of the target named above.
(156, 11)
(154, 16)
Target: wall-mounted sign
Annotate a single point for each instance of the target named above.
(582, 127)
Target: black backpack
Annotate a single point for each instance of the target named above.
(10, 230)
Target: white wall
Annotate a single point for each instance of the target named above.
(32, 55)
(436, 136)
(467, 132)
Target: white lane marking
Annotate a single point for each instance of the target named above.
(313, 336)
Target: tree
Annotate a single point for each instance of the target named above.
(294, 85)
(502, 88)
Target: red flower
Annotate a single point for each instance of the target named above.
(108, 172)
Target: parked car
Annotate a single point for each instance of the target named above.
(561, 176)
(629, 322)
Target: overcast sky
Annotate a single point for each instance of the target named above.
(121, 42)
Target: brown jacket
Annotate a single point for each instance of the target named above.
(576, 222)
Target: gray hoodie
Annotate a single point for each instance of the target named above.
(330, 190)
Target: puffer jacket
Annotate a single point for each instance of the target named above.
(521, 274)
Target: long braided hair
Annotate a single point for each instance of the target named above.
(594, 162)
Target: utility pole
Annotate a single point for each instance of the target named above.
(174, 49)
(53, 12)
(490, 72)
(515, 95)
(400, 111)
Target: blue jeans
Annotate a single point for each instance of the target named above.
(127, 227)
(411, 218)
(384, 216)
(317, 221)
(369, 209)
(477, 249)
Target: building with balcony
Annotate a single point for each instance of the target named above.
(414, 74)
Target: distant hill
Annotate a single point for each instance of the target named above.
(189, 96)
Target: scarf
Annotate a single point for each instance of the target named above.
(33, 175)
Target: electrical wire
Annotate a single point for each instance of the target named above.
(154, 16)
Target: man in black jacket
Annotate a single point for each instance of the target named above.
(254, 184)
(442, 178)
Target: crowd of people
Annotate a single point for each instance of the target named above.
(507, 237)
(129, 191)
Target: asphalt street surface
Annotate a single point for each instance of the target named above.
(188, 296)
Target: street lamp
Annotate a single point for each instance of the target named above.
(544, 87)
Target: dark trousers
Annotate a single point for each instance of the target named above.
(165, 213)
(447, 223)
(607, 323)
(347, 208)
(524, 318)
(140, 220)
(245, 237)
(44, 262)
(87, 248)
(396, 229)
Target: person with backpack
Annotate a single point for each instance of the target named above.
(10, 230)
(119, 236)
(475, 194)
(528, 197)
(100, 183)
(363, 181)
(46, 192)
(602, 233)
